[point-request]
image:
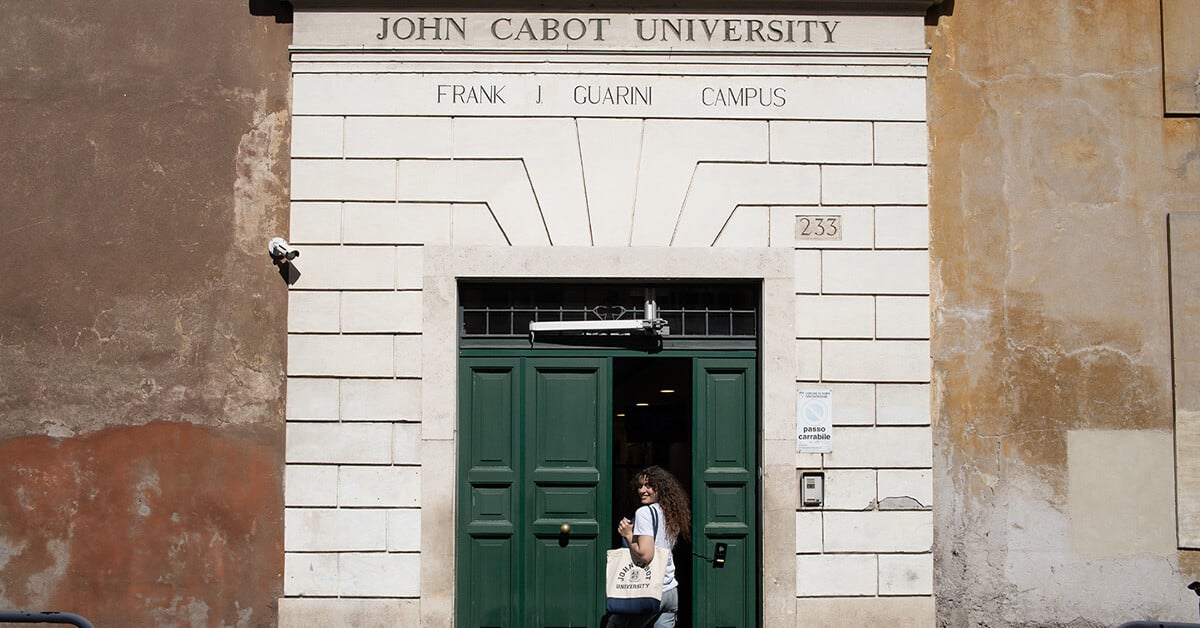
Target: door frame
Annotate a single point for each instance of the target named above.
(781, 271)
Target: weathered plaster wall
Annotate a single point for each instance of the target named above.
(142, 327)
(1052, 171)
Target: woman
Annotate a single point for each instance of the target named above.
(660, 492)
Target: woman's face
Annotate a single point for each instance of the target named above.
(646, 493)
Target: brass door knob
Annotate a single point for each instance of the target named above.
(565, 528)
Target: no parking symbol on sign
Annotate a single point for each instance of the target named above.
(814, 421)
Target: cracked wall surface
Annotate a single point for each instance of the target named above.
(1053, 170)
(142, 327)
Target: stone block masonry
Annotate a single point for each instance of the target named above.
(794, 171)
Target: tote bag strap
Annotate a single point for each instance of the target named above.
(653, 518)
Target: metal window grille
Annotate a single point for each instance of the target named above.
(693, 311)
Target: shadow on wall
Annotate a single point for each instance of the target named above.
(281, 10)
(946, 7)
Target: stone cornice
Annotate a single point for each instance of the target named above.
(854, 7)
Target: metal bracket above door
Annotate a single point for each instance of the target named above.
(652, 324)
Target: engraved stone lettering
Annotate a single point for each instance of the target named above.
(732, 30)
(614, 95)
(743, 96)
(458, 94)
(424, 28)
(550, 29)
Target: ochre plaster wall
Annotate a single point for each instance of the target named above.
(1053, 170)
(142, 326)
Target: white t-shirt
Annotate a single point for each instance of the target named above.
(643, 525)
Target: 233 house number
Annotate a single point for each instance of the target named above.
(818, 227)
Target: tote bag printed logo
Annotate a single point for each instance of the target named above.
(633, 577)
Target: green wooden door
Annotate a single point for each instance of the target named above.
(534, 455)
(725, 491)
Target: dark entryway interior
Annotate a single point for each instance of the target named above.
(652, 425)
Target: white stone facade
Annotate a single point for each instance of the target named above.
(395, 199)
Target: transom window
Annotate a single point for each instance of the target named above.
(692, 311)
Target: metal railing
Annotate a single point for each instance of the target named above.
(43, 617)
(697, 309)
(701, 322)
(1158, 624)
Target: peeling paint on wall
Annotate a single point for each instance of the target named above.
(158, 524)
(142, 326)
(1052, 172)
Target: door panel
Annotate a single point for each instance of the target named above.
(725, 495)
(490, 605)
(488, 540)
(567, 431)
(567, 572)
(535, 447)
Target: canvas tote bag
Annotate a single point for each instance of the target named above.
(634, 589)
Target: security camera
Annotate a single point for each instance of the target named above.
(281, 250)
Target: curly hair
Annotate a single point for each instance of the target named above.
(672, 498)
